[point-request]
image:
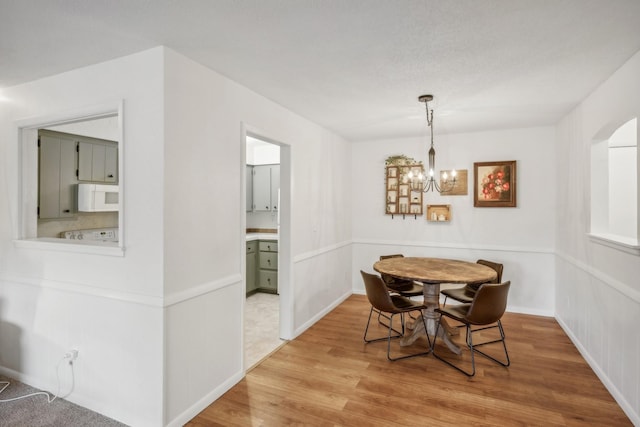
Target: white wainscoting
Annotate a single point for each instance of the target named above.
(118, 336)
(530, 270)
(211, 316)
(321, 281)
(601, 316)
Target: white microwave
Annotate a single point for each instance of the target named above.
(98, 198)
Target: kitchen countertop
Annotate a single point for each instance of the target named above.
(262, 236)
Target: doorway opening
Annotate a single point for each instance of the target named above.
(267, 319)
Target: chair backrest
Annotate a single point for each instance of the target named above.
(391, 281)
(489, 303)
(391, 256)
(496, 266)
(377, 292)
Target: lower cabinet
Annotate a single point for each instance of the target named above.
(252, 262)
(262, 266)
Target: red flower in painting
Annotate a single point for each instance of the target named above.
(494, 184)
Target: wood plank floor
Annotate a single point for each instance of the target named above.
(329, 377)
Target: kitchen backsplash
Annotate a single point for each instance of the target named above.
(53, 228)
(262, 219)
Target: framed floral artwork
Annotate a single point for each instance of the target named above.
(494, 184)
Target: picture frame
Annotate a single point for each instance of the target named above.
(495, 184)
(460, 189)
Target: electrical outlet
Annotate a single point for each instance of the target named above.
(72, 354)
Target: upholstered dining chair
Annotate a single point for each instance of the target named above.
(383, 301)
(406, 288)
(466, 293)
(486, 308)
(403, 287)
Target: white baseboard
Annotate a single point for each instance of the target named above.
(321, 314)
(207, 400)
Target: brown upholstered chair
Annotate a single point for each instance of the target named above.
(465, 294)
(406, 288)
(381, 300)
(486, 308)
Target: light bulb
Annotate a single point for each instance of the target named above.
(431, 173)
(453, 173)
(444, 176)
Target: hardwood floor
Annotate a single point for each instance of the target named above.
(329, 377)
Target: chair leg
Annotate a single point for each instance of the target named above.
(473, 349)
(429, 345)
(504, 346)
(382, 315)
(469, 342)
(366, 330)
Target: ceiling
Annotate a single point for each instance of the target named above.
(355, 67)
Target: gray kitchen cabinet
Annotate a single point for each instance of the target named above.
(275, 186)
(57, 180)
(111, 164)
(268, 265)
(266, 183)
(97, 160)
(251, 265)
(249, 170)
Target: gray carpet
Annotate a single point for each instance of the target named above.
(35, 411)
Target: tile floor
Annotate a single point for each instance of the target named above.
(261, 334)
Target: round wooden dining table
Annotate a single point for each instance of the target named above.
(432, 272)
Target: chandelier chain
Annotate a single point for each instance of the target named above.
(429, 182)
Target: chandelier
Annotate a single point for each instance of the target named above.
(429, 183)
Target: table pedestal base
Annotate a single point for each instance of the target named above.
(431, 301)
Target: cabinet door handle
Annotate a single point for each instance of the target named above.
(110, 176)
(66, 211)
(275, 208)
(266, 207)
(269, 261)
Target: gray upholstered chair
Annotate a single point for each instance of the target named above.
(383, 301)
(486, 308)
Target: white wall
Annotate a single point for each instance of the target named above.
(521, 238)
(597, 287)
(103, 128)
(109, 307)
(205, 236)
(167, 312)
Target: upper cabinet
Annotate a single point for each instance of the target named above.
(266, 183)
(249, 204)
(98, 161)
(275, 186)
(64, 161)
(57, 176)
